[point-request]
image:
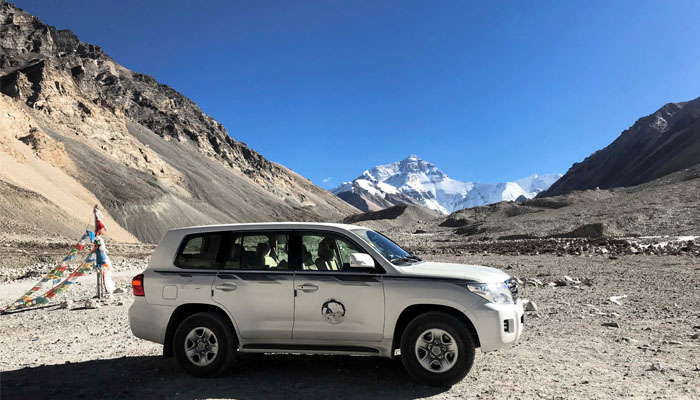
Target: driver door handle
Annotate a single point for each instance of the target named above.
(226, 287)
(307, 288)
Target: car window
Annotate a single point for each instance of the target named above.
(233, 260)
(199, 251)
(346, 248)
(326, 252)
(265, 251)
(387, 248)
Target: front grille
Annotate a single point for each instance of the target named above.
(513, 286)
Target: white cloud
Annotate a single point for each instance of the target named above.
(327, 180)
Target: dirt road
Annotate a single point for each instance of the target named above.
(566, 352)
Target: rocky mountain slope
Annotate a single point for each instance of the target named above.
(407, 217)
(656, 145)
(415, 181)
(668, 206)
(77, 128)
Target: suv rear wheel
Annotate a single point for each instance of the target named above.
(204, 344)
(437, 349)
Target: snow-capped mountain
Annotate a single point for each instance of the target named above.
(415, 181)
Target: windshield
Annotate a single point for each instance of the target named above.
(390, 250)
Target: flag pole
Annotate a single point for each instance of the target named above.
(99, 283)
(98, 232)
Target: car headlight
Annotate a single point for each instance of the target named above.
(498, 293)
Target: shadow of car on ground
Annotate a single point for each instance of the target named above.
(252, 377)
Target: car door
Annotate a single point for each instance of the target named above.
(333, 302)
(255, 284)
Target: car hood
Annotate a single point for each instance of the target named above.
(460, 271)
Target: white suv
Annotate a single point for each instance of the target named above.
(314, 288)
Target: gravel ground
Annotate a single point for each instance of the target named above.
(565, 351)
(33, 258)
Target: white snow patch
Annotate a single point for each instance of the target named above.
(432, 188)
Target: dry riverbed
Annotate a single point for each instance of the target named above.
(649, 348)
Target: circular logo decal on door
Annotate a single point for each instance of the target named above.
(333, 311)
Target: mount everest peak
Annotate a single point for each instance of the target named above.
(416, 181)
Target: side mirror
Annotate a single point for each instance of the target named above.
(361, 260)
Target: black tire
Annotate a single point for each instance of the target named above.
(225, 339)
(462, 339)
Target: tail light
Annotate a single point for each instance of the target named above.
(137, 285)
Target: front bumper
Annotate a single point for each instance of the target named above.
(498, 325)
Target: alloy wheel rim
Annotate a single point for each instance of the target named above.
(201, 346)
(436, 350)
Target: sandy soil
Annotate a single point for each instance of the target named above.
(44, 176)
(565, 351)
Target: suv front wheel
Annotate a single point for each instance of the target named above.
(437, 349)
(204, 344)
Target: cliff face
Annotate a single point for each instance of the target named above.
(656, 145)
(146, 152)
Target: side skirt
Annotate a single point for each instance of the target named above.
(309, 349)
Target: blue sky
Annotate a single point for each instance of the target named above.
(487, 90)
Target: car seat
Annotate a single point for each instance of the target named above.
(307, 259)
(264, 258)
(326, 257)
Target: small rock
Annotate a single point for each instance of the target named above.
(530, 306)
(533, 281)
(616, 299)
(627, 340)
(91, 304)
(611, 324)
(697, 367)
(646, 347)
(118, 291)
(656, 367)
(695, 336)
(675, 342)
(65, 304)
